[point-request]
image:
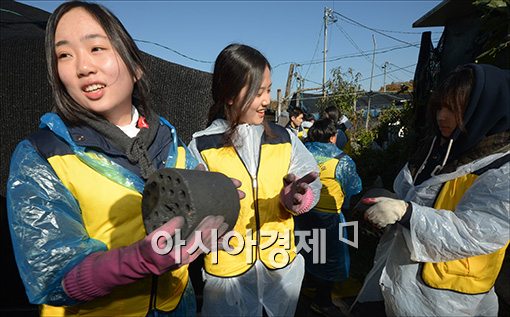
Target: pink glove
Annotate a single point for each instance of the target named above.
(385, 211)
(100, 272)
(296, 195)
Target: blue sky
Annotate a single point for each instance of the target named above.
(284, 31)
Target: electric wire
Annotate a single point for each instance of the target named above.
(176, 52)
(390, 31)
(343, 17)
(402, 69)
(316, 48)
(391, 71)
(351, 55)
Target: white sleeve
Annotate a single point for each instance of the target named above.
(193, 148)
(302, 163)
(479, 225)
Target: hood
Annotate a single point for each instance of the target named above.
(323, 151)
(488, 110)
(217, 126)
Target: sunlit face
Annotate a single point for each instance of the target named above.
(90, 68)
(297, 121)
(446, 121)
(333, 138)
(257, 109)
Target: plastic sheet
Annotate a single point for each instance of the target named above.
(46, 227)
(245, 295)
(346, 168)
(301, 163)
(479, 225)
(48, 234)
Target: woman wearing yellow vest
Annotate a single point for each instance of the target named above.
(339, 181)
(74, 189)
(259, 269)
(446, 239)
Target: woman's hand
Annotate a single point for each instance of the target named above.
(384, 211)
(296, 195)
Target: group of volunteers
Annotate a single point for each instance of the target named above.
(74, 193)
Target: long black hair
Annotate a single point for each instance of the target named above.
(237, 66)
(122, 42)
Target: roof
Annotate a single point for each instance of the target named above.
(382, 99)
(444, 12)
(309, 102)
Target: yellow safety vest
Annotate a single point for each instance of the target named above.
(112, 214)
(272, 227)
(332, 195)
(301, 134)
(473, 275)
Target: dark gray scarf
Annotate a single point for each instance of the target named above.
(134, 148)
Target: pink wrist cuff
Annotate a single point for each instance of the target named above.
(306, 203)
(78, 283)
(305, 206)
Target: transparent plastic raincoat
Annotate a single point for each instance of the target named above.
(47, 229)
(478, 225)
(337, 265)
(277, 290)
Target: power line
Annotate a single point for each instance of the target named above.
(351, 55)
(315, 51)
(172, 50)
(314, 82)
(390, 31)
(372, 29)
(402, 68)
(352, 41)
(379, 51)
(392, 71)
(349, 38)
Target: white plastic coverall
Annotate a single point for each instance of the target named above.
(479, 225)
(276, 290)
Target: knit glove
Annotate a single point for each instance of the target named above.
(100, 272)
(384, 211)
(296, 195)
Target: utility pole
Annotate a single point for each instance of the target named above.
(279, 101)
(324, 52)
(328, 18)
(300, 86)
(327, 12)
(384, 80)
(371, 79)
(287, 87)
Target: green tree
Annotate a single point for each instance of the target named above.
(342, 91)
(380, 150)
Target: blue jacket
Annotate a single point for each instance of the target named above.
(345, 172)
(47, 228)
